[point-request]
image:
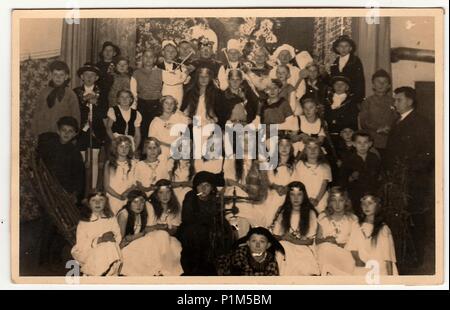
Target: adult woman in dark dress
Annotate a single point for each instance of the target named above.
(204, 232)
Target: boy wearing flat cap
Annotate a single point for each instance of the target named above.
(349, 65)
(93, 115)
(233, 53)
(340, 108)
(55, 101)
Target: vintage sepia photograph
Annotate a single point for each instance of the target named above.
(269, 146)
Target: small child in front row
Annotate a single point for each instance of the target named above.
(372, 240)
(360, 171)
(123, 119)
(254, 255)
(98, 238)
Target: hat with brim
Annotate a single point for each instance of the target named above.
(88, 67)
(168, 42)
(275, 245)
(208, 177)
(234, 44)
(115, 47)
(343, 38)
(340, 78)
(284, 47)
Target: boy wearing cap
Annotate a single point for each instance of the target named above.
(377, 111)
(107, 56)
(93, 115)
(55, 101)
(283, 55)
(206, 53)
(361, 170)
(174, 75)
(62, 158)
(233, 55)
(349, 65)
(340, 109)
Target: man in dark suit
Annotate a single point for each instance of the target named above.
(411, 143)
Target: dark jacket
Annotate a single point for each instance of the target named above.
(229, 100)
(411, 141)
(354, 71)
(64, 161)
(346, 116)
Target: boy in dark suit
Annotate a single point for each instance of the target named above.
(349, 65)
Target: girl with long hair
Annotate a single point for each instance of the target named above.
(203, 98)
(158, 252)
(98, 238)
(313, 171)
(335, 226)
(295, 224)
(279, 177)
(119, 173)
(372, 239)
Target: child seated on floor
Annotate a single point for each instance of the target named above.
(254, 255)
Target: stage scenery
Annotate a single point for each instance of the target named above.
(118, 176)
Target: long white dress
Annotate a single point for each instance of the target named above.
(299, 260)
(96, 259)
(384, 250)
(283, 177)
(334, 260)
(161, 130)
(155, 254)
(120, 180)
(312, 176)
(173, 81)
(149, 173)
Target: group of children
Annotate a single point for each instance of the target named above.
(316, 213)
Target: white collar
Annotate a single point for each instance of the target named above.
(337, 100)
(234, 65)
(167, 64)
(343, 61)
(344, 58)
(405, 114)
(89, 89)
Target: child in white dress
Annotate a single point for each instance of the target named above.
(335, 226)
(315, 173)
(119, 175)
(174, 76)
(161, 126)
(295, 224)
(372, 240)
(157, 253)
(279, 177)
(153, 167)
(98, 238)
